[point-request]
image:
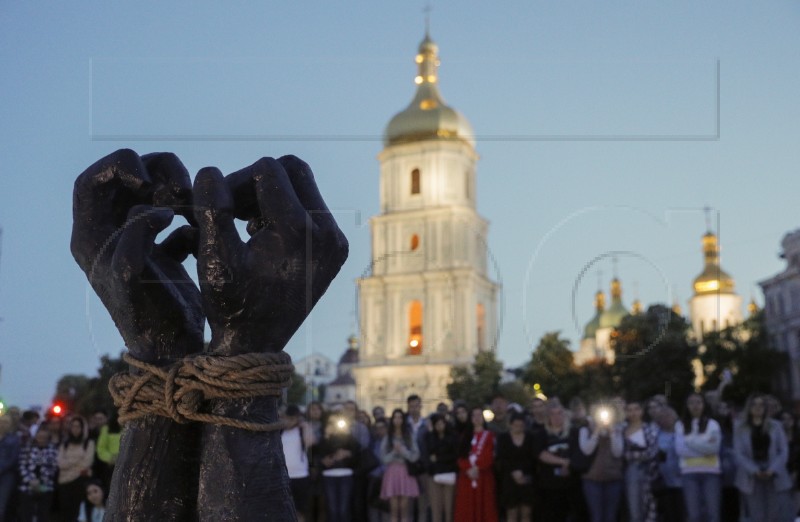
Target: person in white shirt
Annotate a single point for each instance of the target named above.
(296, 438)
(697, 443)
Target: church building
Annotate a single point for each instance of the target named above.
(428, 303)
(714, 305)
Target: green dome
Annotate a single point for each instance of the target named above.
(599, 305)
(612, 317)
(591, 327)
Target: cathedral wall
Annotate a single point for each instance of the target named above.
(714, 312)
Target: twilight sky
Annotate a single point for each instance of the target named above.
(602, 128)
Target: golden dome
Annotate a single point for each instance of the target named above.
(752, 307)
(613, 316)
(428, 117)
(713, 279)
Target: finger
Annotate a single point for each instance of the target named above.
(243, 188)
(334, 243)
(279, 206)
(180, 243)
(302, 179)
(137, 240)
(218, 241)
(172, 185)
(121, 171)
(103, 195)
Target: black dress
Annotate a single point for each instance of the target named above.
(510, 458)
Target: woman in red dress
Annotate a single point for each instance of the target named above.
(475, 493)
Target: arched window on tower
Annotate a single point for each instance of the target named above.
(414, 242)
(415, 328)
(415, 188)
(480, 320)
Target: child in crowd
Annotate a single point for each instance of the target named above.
(38, 465)
(93, 509)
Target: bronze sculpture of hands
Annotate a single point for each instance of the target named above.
(255, 294)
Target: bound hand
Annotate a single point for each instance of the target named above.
(256, 294)
(120, 204)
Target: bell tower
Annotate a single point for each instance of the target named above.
(428, 303)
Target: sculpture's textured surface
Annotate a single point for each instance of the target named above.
(255, 295)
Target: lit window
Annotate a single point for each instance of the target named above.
(415, 328)
(415, 181)
(480, 318)
(414, 242)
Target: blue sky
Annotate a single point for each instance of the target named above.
(602, 127)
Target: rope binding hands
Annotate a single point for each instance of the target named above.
(179, 391)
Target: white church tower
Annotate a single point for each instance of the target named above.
(428, 303)
(715, 305)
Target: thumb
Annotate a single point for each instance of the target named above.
(137, 238)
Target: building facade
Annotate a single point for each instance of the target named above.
(428, 303)
(782, 314)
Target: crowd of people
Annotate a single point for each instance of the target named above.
(616, 461)
(56, 468)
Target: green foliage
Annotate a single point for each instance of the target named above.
(84, 395)
(476, 384)
(744, 350)
(552, 366)
(516, 391)
(597, 382)
(653, 355)
(296, 394)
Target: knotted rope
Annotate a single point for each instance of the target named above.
(179, 390)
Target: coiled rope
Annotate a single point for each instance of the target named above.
(178, 391)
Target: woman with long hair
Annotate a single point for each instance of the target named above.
(442, 454)
(558, 483)
(475, 485)
(639, 454)
(515, 466)
(697, 443)
(75, 458)
(761, 452)
(93, 509)
(399, 448)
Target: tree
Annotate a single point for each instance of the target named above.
(476, 384)
(296, 394)
(744, 350)
(653, 355)
(597, 381)
(516, 391)
(86, 395)
(70, 390)
(552, 367)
